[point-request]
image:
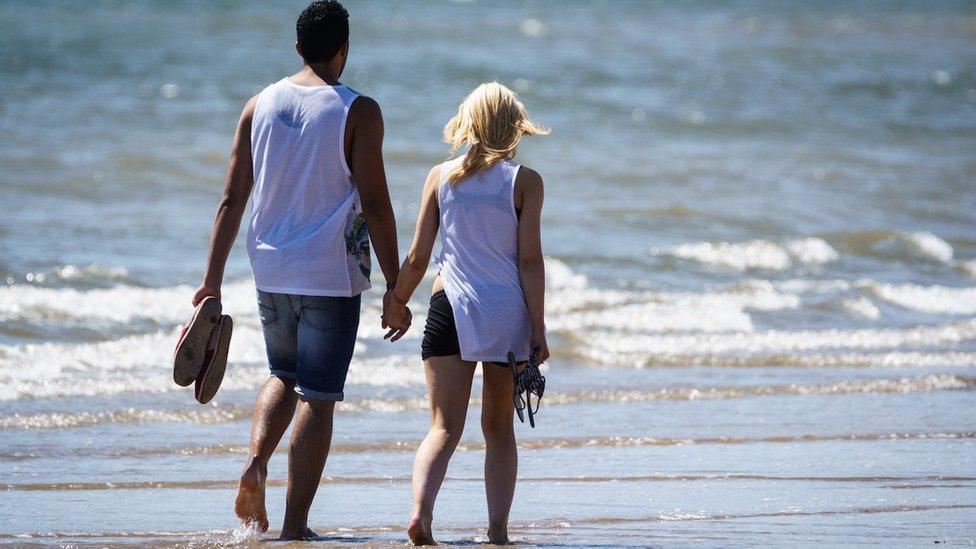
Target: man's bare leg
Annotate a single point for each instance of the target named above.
(310, 442)
(273, 411)
(449, 387)
(501, 455)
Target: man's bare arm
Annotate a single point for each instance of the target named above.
(369, 175)
(240, 179)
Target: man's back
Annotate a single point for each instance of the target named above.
(307, 234)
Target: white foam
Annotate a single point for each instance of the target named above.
(861, 307)
(928, 299)
(922, 245)
(639, 349)
(561, 276)
(659, 317)
(755, 254)
(143, 364)
(721, 310)
(119, 304)
(812, 251)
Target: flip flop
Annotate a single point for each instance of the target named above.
(215, 363)
(191, 349)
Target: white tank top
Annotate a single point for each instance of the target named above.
(479, 263)
(307, 233)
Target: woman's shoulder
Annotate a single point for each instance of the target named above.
(434, 178)
(527, 177)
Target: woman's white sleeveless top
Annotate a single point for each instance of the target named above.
(307, 234)
(479, 263)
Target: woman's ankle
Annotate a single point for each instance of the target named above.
(498, 535)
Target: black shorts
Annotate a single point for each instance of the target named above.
(440, 333)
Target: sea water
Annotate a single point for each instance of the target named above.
(761, 270)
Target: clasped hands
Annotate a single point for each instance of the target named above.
(396, 316)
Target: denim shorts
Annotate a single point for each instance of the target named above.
(310, 340)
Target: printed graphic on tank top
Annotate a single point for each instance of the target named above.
(479, 263)
(307, 234)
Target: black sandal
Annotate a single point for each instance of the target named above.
(529, 381)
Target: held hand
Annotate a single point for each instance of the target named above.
(205, 291)
(539, 340)
(396, 333)
(396, 317)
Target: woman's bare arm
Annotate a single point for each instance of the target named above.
(532, 269)
(415, 264)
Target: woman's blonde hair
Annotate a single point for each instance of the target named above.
(491, 120)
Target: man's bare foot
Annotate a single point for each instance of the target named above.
(304, 534)
(498, 536)
(250, 498)
(419, 531)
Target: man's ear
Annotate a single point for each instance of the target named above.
(299, 50)
(345, 49)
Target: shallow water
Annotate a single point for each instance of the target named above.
(761, 271)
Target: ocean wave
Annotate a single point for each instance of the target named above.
(812, 251)
(861, 307)
(602, 326)
(905, 246)
(560, 276)
(754, 254)
(938, 300)
(968, 267)
(162, 306)
(142, 364)
(225, 414)
(648, 349)
(169, 306)
(922, 245)
(720, 310)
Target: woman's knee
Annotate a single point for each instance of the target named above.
(497, 423)
(449, 432)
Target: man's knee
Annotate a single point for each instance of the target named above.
(318, 406)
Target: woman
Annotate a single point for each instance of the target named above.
(488, 298)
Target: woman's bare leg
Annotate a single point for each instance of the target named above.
(501, 455)
(449, 387)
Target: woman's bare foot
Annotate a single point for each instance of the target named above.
(305, 534)
(498, 536)
(250, 498)
(419, 531)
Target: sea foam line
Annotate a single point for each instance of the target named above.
(226, 414)
(588, 479)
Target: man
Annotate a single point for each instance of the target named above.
(311, 149)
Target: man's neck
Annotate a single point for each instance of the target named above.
(316, 74)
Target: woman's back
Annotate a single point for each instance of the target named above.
(479, 261)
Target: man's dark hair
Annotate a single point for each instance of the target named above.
(323, 28)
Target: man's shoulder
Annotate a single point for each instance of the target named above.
(365, 107)
(365, 113)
